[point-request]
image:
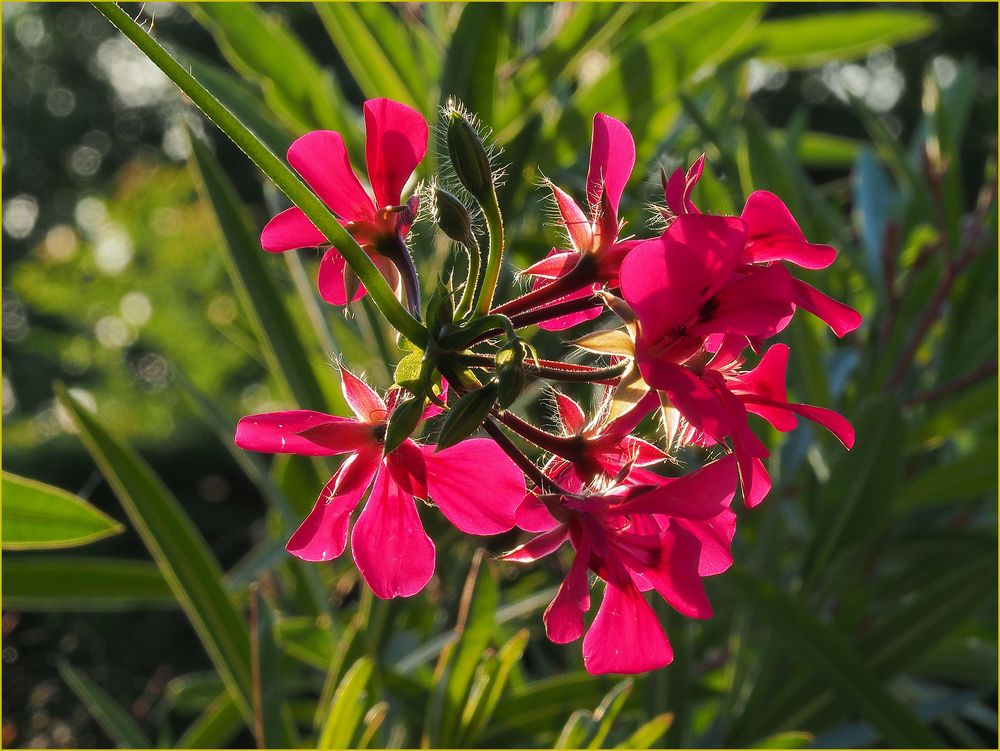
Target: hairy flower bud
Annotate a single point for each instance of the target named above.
(468, 156)
(453, 218)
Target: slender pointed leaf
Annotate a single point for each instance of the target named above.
(37, 516)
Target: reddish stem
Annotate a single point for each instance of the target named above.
(573, 280)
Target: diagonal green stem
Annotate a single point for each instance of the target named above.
(494, 258)
(275, 169)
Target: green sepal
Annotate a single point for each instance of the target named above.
(403, 421)
(466, 415)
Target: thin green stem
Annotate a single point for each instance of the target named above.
(471, 281)
(274, 168)
(494, 222)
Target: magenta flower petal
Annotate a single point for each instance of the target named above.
(362, 398)
(563, 617)
(702, 494)
(677, 192)
(832, 421)
(626, 636)
(389, 544)
(676, 578)
(759, 304)
(667, 280)
(554, 265)
(754, 478)
(571, 414)
(538, 547)
(323, 534)
(321, 158)
(577, 223)
(774, 235)
(290, 230)
(532, 516)
(842, 319)
(331, 279)
(643, 453)
(716, 537)
(476, 485)
(561, 323)
(768, 380)
(612, 157)
(696, 401)
(301, 432)
(395, 143)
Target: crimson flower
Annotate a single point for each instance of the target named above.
(474, 484)
(596, 253)
(396, 142)
(687, 290)
(640, 534)
(773, 236)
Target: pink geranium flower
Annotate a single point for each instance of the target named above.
(396, 142)
(686, 290)
(636, 536)
(596, 253)
(773, 236)
(474, 484)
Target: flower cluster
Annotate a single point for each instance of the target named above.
(695, 308)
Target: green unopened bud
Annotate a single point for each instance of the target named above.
(440, 308)
(511, 380)
(402, 422)
(466, 415)
(469, 157)
(453, 218)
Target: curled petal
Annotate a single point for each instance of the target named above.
(302, 432)
(716, 537)
(774, 235)
(677, 191)
(322, 160)
(612, 157)
(390, 547)
(395, 143)
(323, 534)
(289, 230)
(563, 617)
(832, 421)
(476, 485)
(626, 636)
(768, 380)
(842, 319)
(538, 547)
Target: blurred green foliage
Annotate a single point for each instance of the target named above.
(862, 610)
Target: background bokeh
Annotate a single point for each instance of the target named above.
(879, 133)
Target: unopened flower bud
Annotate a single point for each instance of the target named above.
(468, 156)
(453, 218)
(466, 415)
(403, 421)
